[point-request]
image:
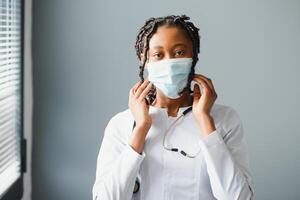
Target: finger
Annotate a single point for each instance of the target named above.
(137, 85)
(133, 89)
(141, 88)
(145, 92)
(212, 87)
(208, 81)
(197, 92)
(207, 89)
(204, 84)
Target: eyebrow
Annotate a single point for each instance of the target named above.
(175, 45)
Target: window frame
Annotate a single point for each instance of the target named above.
(16, 190)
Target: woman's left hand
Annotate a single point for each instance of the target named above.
(203, 103)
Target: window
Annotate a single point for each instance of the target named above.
(12, 144)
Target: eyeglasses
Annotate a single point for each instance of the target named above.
(176, 149)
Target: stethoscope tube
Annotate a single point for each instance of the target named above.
(184, 113)
(137, 183)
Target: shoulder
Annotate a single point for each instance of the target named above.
(221, 110)
(226, 116)
(124, 116)
(122, 121)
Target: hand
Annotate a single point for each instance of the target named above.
(137, 103)
(140, 111)
(203, 103)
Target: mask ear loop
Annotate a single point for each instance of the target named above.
(195, 82)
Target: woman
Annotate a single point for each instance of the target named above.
(172, 142)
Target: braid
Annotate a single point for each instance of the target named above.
(150, 27)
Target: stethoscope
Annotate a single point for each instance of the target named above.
(182, 152)
(137, 184)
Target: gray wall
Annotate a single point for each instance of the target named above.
(84, 65)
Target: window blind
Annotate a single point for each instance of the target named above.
(10, 93)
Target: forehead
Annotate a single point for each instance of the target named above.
(167, 36)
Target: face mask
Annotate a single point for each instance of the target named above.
(170, 75)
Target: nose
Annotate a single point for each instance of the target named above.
(168, 56)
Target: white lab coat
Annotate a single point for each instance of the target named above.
(220, 171)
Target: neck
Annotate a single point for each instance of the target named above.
(173, 105)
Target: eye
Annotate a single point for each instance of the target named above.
(179, 52)
(156, 55)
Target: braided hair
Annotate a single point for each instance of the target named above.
(147, 31)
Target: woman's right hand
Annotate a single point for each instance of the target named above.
(137, 104)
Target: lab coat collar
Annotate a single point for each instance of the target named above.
(163, 111)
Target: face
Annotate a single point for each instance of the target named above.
(169, 42)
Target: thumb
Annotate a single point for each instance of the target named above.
(197, 93)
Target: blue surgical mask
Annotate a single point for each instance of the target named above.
(170, 75)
